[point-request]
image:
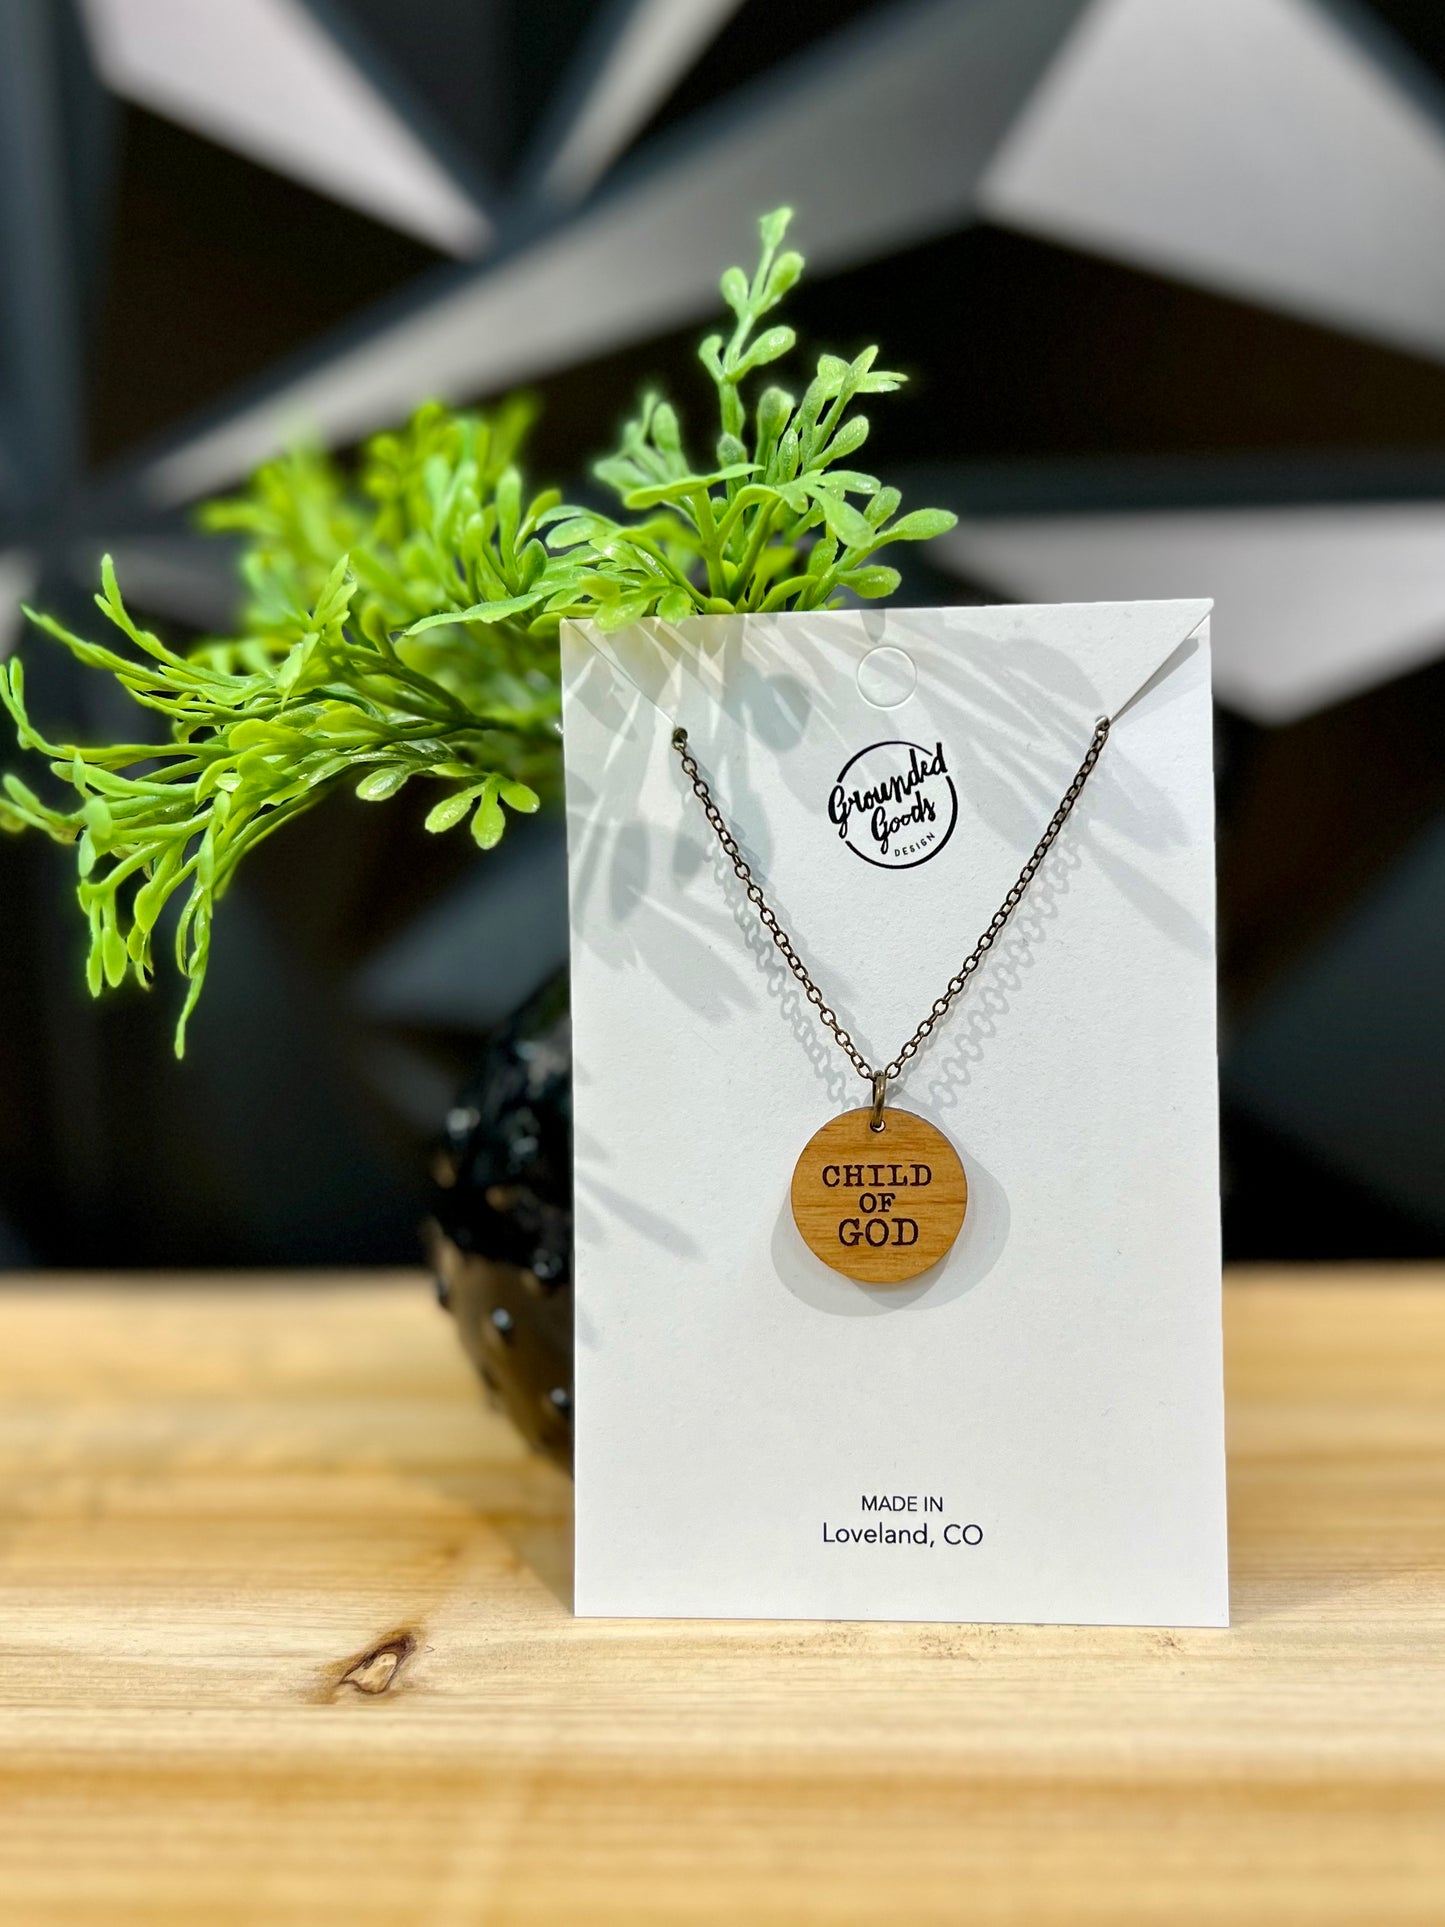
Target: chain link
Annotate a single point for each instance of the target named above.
(957, 983)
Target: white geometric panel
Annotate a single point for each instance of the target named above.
(17, 581)
(1347, 1055)
(512, 912)
(1253, 146)
(261, 76)
(187, 576)
(656, 45)
(878, 141)
(1311, 604)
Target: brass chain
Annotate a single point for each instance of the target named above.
(957, 983)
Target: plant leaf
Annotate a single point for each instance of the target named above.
(843, 520)
(769, 346)
(921, 526)
(450, 811)
(871, 581)
(681, 486)
(489, 822)
(772, 227)
(380, 784)
(479, 612)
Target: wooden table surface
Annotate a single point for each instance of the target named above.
(286, 1639)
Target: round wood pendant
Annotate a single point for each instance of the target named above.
(879, 1206)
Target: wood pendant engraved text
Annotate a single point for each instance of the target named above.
(879, 1206)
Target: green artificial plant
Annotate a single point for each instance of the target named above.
(402, 623)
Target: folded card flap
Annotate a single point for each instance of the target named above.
(660, 661)
(1129, 647)
(1098, 656)
(1121, 648)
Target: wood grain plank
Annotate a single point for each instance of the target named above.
(218, 1500)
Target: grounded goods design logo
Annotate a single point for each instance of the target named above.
(894, 804)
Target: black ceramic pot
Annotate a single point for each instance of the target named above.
(501, 1236)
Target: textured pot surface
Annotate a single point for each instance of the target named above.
(501, 1239)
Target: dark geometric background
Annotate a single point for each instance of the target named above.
(1211, 340)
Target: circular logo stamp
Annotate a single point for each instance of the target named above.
(894, 804)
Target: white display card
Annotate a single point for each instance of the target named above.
(1032, 1430)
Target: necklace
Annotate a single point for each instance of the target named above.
(880, 1194)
